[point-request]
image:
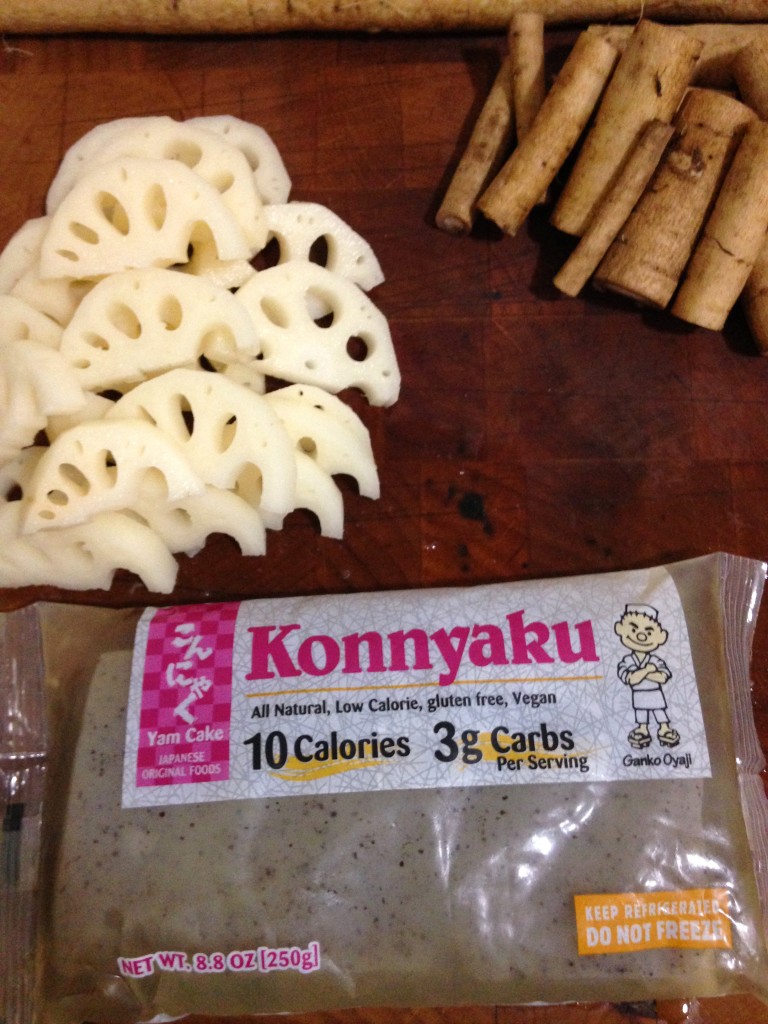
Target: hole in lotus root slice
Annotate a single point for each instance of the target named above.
(358, 349)
(156, 206)
(84, 233)
(276, 312)
(78, 482)
(187, 151)
(319, 251)
(320, 304)
(223, 181)
(125, 320)
(171, 313)
(113, 212)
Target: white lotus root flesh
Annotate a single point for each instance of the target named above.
(136, 213)
(299, 228)
(349, 346)
(223, 429)
(100, 466)
(140, 323)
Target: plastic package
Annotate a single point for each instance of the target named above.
(22, 787)
(424, 799)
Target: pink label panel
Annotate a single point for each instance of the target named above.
(186, 698)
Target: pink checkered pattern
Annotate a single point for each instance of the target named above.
(184, 726)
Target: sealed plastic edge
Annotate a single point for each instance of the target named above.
(742, 581)
(23, 745)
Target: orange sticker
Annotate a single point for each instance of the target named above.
(633, 922)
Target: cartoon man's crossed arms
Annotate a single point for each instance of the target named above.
(645, 673)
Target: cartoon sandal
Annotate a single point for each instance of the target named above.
(668, 737)
(639, 738)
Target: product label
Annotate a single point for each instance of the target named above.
(539, 682)
(262, 960)
(633, 922)
(186, 695)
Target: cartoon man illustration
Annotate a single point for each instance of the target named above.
(645, 673)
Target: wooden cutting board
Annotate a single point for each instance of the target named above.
(535, 435)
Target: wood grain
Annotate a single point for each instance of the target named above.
(536, 435)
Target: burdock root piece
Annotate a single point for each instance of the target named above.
(614, 209)
(488, 145)
(732, 238)
(555, 130)
(647, 85)
(647, 259)
(750, 71)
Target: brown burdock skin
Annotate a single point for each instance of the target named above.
(648, 84)
(555, 130)
(239, 16)
(648, 258)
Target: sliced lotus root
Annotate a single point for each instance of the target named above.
(16, 474)
(204, 262)
(20, 275)
(301, 229)
(185, 525)
(83, 557)
(74, 557)
(35, 383)
(350, 347)
(272, 181)
(335, 439)
(209, 155)
(136, 213)
(140, 323)
(100, 466)
(317, 492)
(21, 322)
(80, 154)
(94, 408)
(125, 287)
(222, 427)
(21, 252)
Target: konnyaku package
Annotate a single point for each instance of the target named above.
(529, 792)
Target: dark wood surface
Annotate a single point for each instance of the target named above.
(535, 435)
